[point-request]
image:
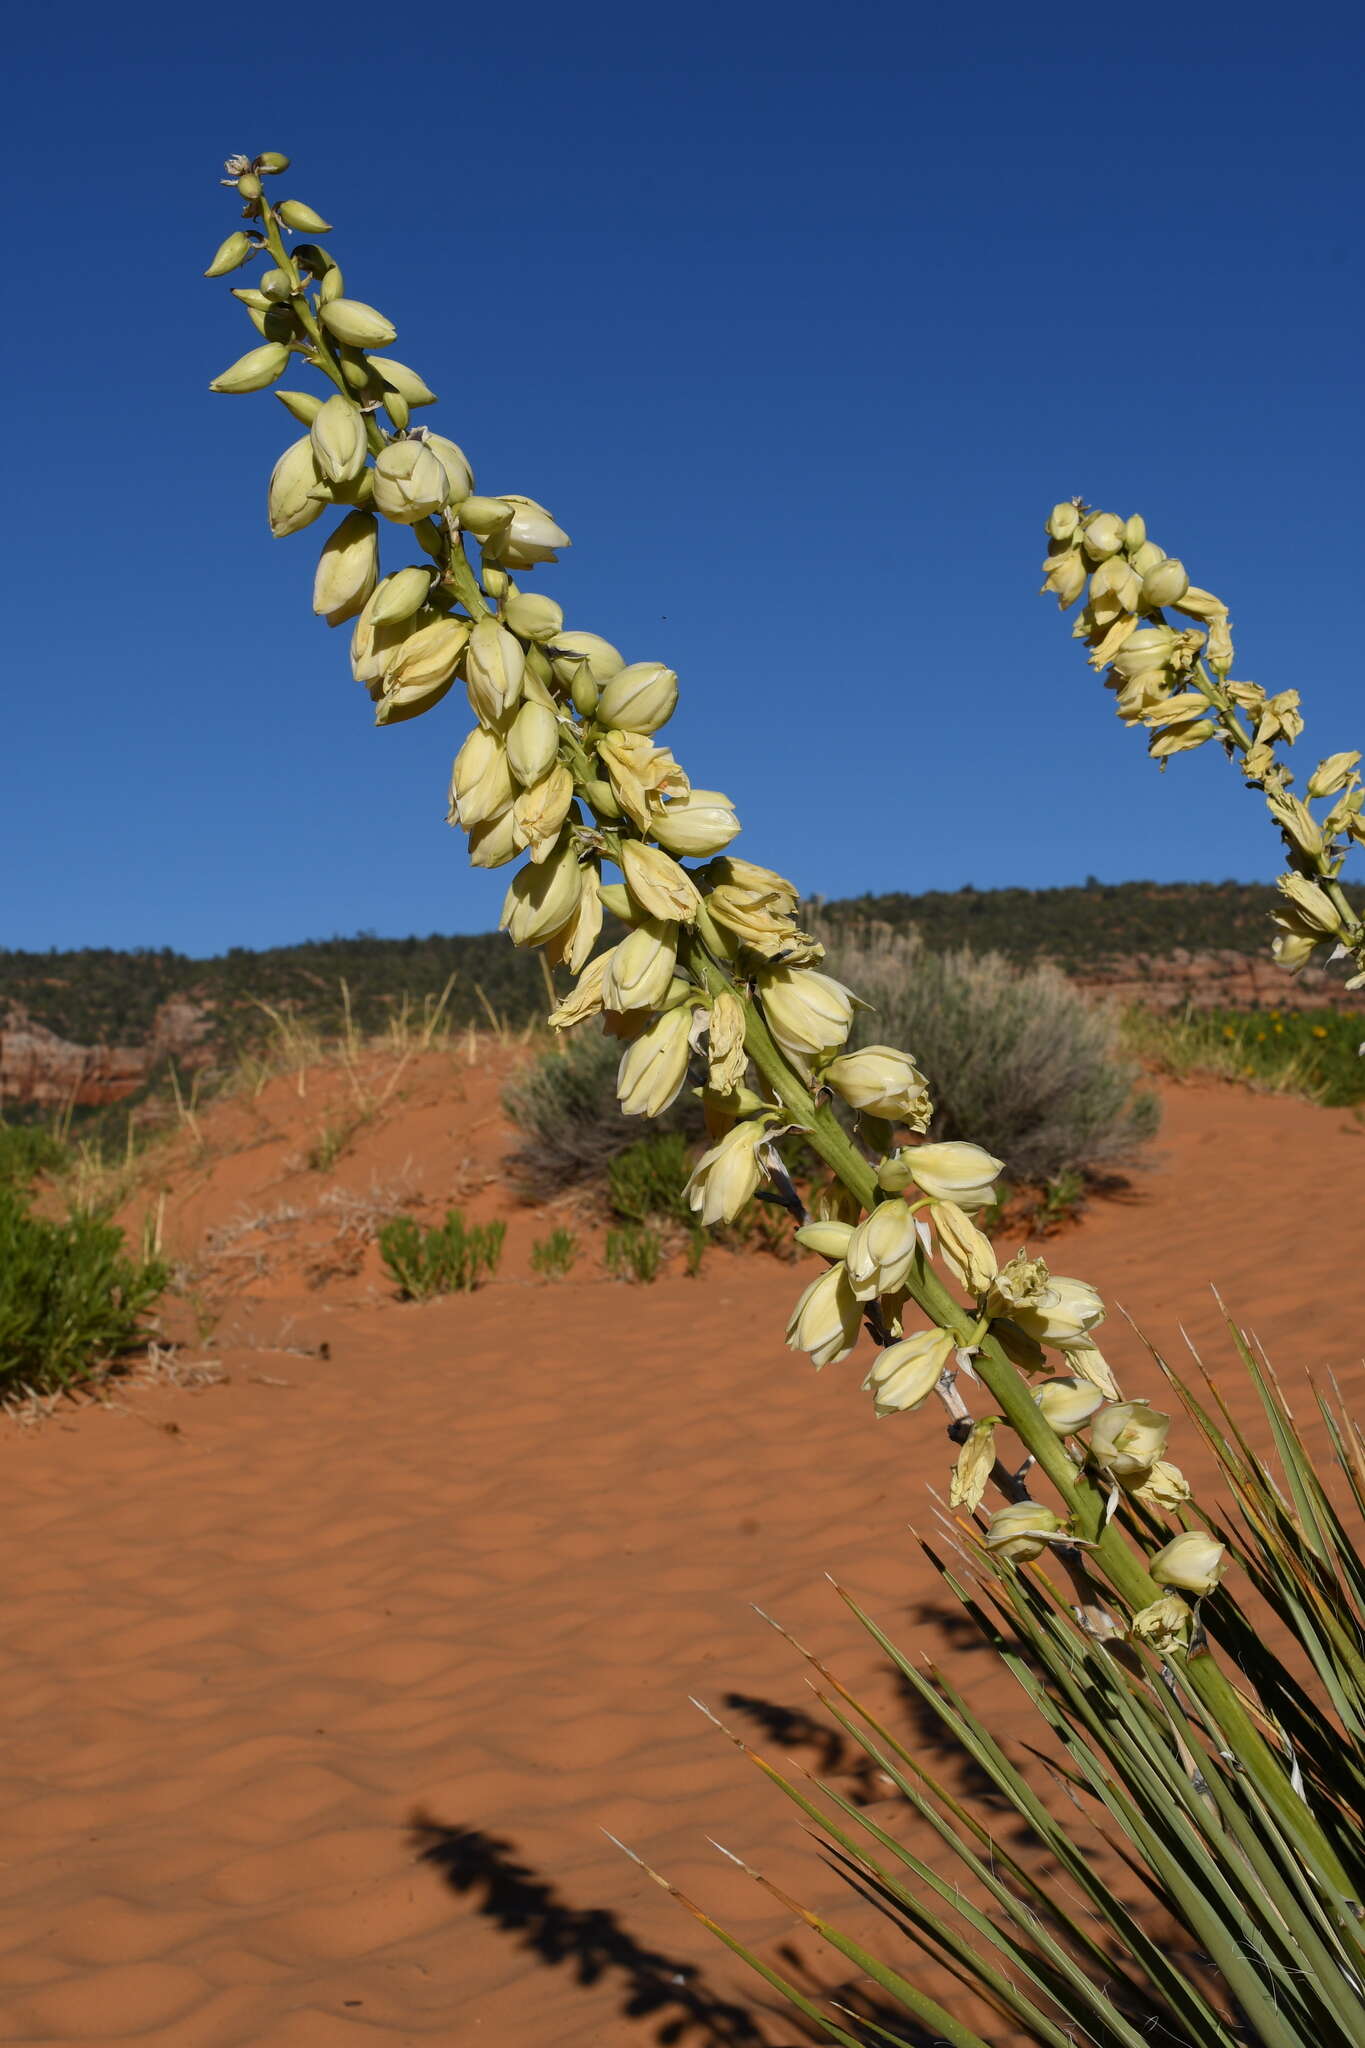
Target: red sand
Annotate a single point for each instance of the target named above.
(468, 1567)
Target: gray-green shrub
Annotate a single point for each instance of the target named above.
(1018, 1059)
(566, 1104)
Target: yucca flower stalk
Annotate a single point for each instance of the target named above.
(563, 772)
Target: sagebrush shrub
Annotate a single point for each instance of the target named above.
(27, 1150)
(452, 1258)
(71, 1297)
(1019, 1058)
(566, 1104)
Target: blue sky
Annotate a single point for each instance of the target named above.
(799, 320)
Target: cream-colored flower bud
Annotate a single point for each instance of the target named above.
(1333, 774)
(400, 596)
(1114, 587)
(642, 966)
(529, 536)
(826, 1237)
(1194, 1562)
(584, 999)
(357, 324)
(1200, 604)
(1127, 1438)
(538, 814)
(409, 482)
(583, 695)
(1292, 951)
(1068, 1404)
(1102, 536)
(807, 1012)
(230, 255)
(1165, 1624)
(481, 785)
(1220, 649)
(304, 406)
(657, 883)
(398, 701)
(640, 698)
(726, 1057)
(289, 503)
(532, 744)
(338, 437)
(1296, 821)
(427, 656)
(654, 1066)
(1064, 575)
(1165, 1486)
(1165, 584)
(454, 462)
(761, 921)
(881, 1081)
(704, 822)
(1181, 739)
(975, 1463)
(254, 371)
(1134, 533)
(955, 1172)
(827, 1318)
(904, 1375)
(404, 381)
(727, 1176)
(533, 617)
(1063, 520)
(542, 898)
(374, 646)
(882, 1250)
(494, 668)
(348, 568)
(1021, 1531)
(642, 776)
(301, 219)
(569, 650)
(1146, 557)
(966, 1251)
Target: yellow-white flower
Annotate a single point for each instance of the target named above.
(539, 812)
(493, 843)
(1127, 1438)
(1194, 1562)
(807, 1012)
(827, 1319)
(702, 823)
(904, 1375)
(568, 650)
(954, 1172)
(654, 1066)
(965, 1250)
(584, 998)
(726, 1177)
(348, 568)
(542, 898)
(1165, 1486)
(529, 536)
(573, 942)
(425, 657)
(1021, 1531)
(1062, 1315)
(975, 1463)
(883, 1082)
(725, 1054)
(494, 667)
(409, 482)
(481, 781)
(657, 883)
(640, 698)
(290, 504)
(338, 438)
(532, 743)
(882, 1250)
(1165, 1624)
(1089, 1362)
(1068, 1404)
(533, 617)
(642, 966)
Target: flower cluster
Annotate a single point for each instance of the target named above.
(1176, 682)
(563, 773)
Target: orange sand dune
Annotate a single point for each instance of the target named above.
(322, 1682)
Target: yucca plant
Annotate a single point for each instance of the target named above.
(1218, 1765)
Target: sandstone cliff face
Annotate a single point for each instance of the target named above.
(38, 1067)
(1215, 980)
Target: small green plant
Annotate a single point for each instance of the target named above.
(1059, 1200)
(647, 1180)
(332, 1142)
(71, 1298)
(554, 1255)
(1313, 1053)
(634, 1253)
(26, 1150)
(452, 1258)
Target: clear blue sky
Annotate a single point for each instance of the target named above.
(798, 319)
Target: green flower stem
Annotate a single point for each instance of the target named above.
(1121, 1567)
